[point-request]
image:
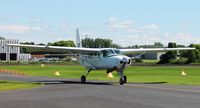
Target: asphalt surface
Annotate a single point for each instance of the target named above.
(64, 93)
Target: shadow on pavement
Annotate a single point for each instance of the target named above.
(51, 82)
(147, 82)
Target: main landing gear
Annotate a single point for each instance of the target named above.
(123, 80)
(83, 77)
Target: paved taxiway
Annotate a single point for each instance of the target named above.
(62, 93)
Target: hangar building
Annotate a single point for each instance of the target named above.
(8, 53)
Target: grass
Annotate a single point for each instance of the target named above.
(151, 61)
(7, 85)
(138, 74)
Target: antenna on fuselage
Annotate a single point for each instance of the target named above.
(78, 39)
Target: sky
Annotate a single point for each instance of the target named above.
(126, 22)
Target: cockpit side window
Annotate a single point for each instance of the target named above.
(108, 52)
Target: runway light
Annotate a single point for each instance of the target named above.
(110, 75)
(57, 73)
(183, 73)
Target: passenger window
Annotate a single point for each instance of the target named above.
(105, 53)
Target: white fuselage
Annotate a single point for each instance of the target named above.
(99, 62)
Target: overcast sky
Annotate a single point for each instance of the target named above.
(126, 22)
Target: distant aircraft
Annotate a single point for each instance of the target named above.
(110, 59)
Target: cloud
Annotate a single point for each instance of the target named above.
(150, 27)
(187, 38)
(19, 29)
(115, 23)
(127, 34)
(131, 34)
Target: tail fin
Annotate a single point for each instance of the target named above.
(78, 39)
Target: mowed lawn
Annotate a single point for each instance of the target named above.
(135, 74)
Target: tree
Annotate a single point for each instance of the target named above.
(192, 55)
(88, 43)
(158, 45)
(26, 50)
(155, 45)
(172, 54)
(68, 43)
(115, 46)
(98, 43)
(168, 56)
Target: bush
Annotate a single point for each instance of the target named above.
(137, 60)
(181, 60)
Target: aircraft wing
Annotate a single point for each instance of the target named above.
(144, 50)
(58, 48)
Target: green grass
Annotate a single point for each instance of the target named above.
(138, 74)
(7, 85)
(151, 61)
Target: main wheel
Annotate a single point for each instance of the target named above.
(125, 79)
(121, 81)
(83, 79)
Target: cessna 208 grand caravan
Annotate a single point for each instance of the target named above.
(109, 59)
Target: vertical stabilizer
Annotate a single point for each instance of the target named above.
(78, 39)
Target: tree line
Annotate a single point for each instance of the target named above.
(86, 43)
(181, 57)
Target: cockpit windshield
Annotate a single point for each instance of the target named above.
(108, 52)
(117, 51)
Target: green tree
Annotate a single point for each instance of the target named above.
(168, 56)
(192, 55)
(172, 54)
(98, 43)
(26, 49)
(158, 45)
(88, 43)
(68, 43)
(155, 45)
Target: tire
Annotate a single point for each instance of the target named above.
(121, 81)
(125, 79)
(83, 79)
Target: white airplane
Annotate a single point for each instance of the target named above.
(109, 59)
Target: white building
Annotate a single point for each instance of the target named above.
(8, 53)
(152, 55)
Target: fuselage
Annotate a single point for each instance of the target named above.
(106, 59)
